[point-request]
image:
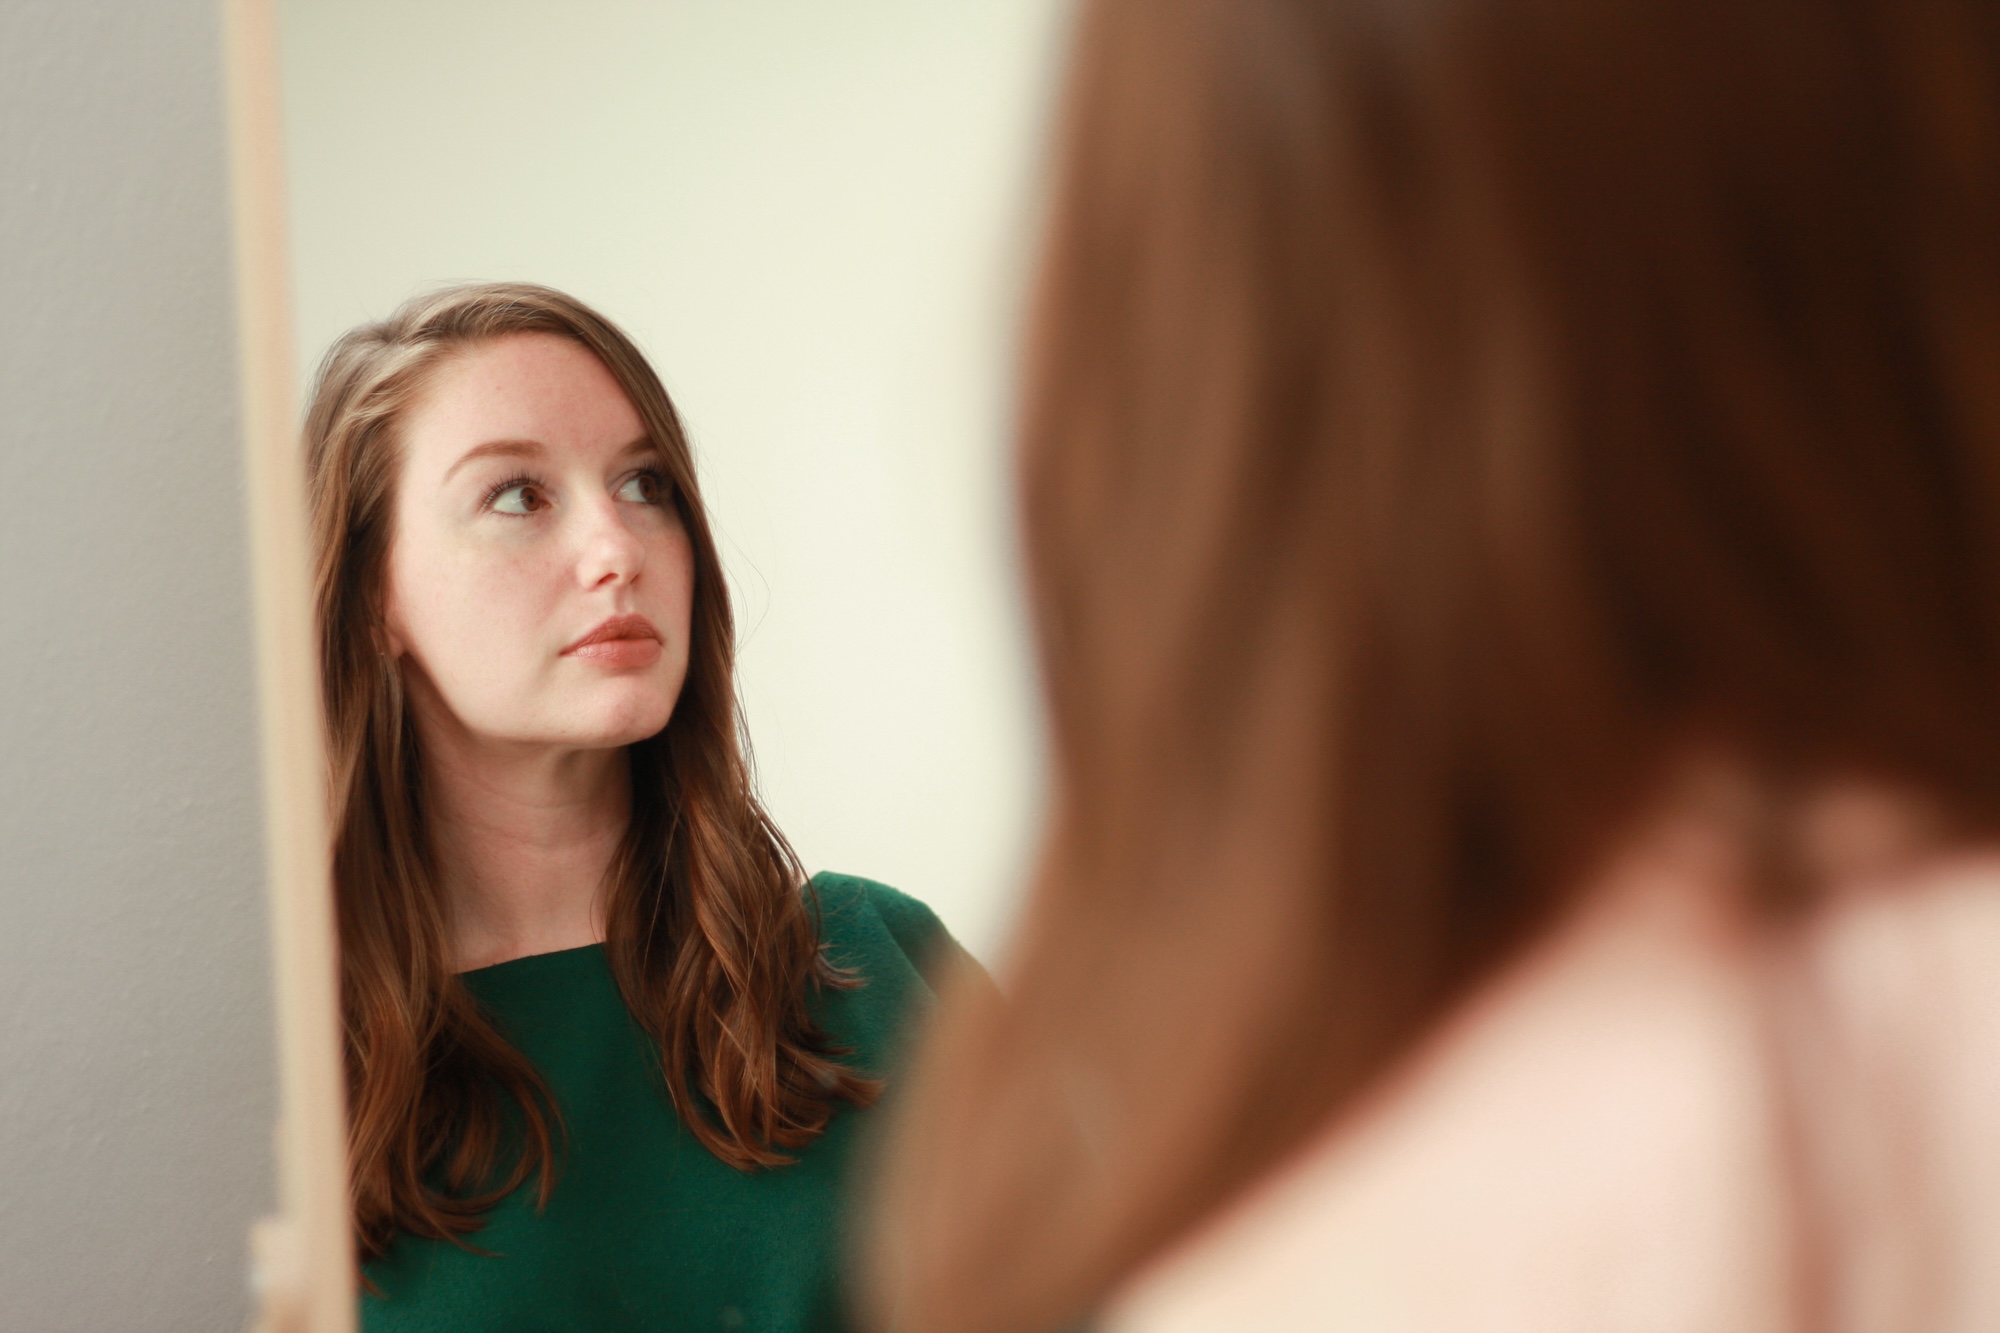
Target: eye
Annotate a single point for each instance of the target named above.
(646, 488)
(519, 496)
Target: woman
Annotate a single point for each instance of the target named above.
(1512, 508)
(604, 1043)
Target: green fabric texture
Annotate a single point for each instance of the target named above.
(645, 1229)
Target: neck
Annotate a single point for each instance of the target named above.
(523, 836)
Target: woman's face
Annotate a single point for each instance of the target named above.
(539, 581)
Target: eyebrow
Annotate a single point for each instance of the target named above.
(495, 449)
(535, 449)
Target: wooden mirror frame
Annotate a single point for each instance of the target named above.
(303, 1269)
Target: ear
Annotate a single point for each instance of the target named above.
(388, 639)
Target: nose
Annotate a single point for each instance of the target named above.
(609, 552)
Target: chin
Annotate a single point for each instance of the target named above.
(626, 720)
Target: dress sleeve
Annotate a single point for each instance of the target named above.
(918, 934)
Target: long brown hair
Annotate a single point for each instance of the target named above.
(1436, 415)
(708, 930)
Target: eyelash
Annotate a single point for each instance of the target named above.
(508, 485)
(660, 483)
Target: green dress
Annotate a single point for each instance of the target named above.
(645, 1228)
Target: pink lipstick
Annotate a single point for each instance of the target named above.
(621, 642)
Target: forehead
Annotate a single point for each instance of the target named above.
(523, 386)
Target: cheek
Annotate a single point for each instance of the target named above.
(403, 612)
(681, 564)
(462, 614)
(673, 590)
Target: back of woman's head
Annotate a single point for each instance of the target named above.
(1439, 415)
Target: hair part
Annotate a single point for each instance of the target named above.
(710, 932)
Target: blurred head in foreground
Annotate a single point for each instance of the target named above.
(1443, 420)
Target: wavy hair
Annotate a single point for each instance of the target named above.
(709, 930)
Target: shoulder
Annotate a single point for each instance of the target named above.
(1582, 1147)
(868, 927)
(895, 955)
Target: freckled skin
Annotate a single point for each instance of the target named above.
(501, 561)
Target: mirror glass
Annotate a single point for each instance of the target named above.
(816, 220)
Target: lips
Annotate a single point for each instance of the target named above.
(621, 641)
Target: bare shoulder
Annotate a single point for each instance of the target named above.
(1585, 1147)
(1592, 1144)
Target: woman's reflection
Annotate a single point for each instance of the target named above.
(605, 1042)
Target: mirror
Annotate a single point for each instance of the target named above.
(816, 222)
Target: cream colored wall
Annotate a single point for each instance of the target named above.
(815, 217)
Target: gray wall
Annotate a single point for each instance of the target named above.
(136, 1075)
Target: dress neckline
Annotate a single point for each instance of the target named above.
(533, 961)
